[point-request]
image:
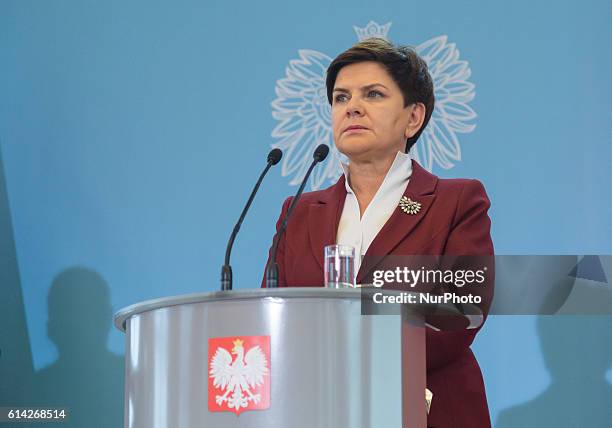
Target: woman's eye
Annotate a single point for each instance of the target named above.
(375, 94)
(340, 98)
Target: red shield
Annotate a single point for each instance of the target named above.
(238, 373)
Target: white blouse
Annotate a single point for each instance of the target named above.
(360, 232)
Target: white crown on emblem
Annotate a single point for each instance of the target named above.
(373, 29)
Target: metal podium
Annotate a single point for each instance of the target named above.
(326, 366)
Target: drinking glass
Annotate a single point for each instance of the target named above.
(339, 266)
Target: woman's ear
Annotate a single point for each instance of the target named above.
(415, 119)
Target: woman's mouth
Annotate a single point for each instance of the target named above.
(355, 128)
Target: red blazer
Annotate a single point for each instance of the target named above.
(453, 220)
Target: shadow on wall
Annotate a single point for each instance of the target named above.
(86, 378)
(15, 356)
(577, 351)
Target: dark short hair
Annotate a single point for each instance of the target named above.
(403, 64)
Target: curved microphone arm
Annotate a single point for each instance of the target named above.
(319, 155)
(274, 157)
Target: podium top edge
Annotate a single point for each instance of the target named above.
(124, 314)
(120, 318)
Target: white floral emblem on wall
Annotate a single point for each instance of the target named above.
(304, 115)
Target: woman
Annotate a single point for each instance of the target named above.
(381, 100)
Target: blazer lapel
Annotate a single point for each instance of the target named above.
(323, 218)
(420, 189)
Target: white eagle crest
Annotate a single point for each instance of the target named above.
(237, 376)
(304, 115)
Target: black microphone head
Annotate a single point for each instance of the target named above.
(275, 156)
(321, 152)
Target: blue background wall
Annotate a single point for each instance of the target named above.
(131, 133)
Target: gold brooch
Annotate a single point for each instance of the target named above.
(409, 206)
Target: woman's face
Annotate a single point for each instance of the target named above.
(368, 114)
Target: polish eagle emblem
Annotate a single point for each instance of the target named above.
(304, 115)
(239, 378)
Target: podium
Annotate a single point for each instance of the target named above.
(322, 363)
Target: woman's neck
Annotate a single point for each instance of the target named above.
(365, 178)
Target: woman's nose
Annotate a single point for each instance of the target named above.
(354, 108)
(352, 111)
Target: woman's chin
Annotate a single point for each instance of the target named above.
(362, 151)
(355, 146)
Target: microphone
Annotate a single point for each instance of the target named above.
(274, 157)
(319, 155)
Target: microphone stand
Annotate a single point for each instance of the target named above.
(272, 268)
(274, 157)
